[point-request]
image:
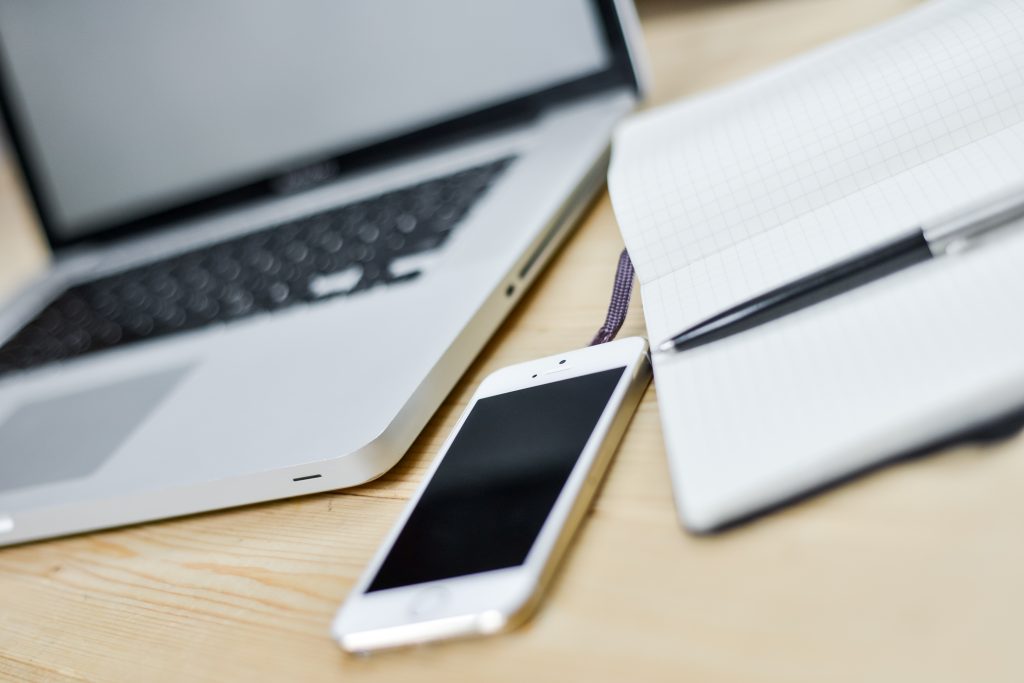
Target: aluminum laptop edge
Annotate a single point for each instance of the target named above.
(312, 397)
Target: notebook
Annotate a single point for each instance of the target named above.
(726, 195)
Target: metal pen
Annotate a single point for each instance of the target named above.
(946, 235)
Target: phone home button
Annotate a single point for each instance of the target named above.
(429, 601)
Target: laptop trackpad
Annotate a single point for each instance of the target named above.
(70, 436)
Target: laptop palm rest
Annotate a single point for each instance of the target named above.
(33, 452)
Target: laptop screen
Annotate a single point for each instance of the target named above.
(125, 110)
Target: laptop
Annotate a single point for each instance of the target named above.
(281, 231)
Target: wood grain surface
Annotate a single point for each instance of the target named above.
(912, 573)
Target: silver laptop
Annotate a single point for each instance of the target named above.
(281, 231)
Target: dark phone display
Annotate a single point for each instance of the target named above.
(499, 480)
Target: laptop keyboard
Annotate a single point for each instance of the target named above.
(339, 252)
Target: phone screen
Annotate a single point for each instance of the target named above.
(501, 476)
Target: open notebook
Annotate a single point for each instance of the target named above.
(729, 194)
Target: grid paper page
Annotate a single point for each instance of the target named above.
(727, 195)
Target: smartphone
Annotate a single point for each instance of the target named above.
(472, 552)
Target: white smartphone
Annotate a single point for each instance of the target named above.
(480, 538)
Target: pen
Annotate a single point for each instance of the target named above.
(945, 236)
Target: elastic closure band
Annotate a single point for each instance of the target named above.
(619, 305)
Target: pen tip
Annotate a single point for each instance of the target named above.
(665, 346)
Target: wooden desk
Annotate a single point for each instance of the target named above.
(911, 573)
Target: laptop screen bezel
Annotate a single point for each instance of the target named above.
(291, 177)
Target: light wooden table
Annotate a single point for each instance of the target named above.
(911, 573)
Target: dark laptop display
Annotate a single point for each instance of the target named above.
(194, 100)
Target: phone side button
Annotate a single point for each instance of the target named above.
(429, 600)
